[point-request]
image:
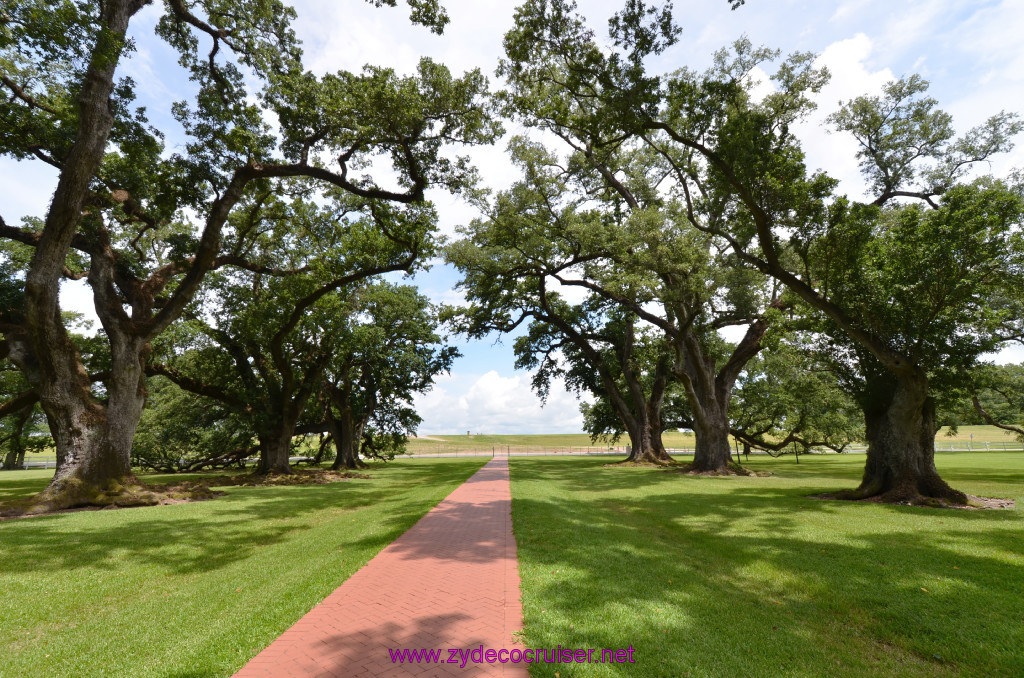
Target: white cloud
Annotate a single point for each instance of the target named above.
(849, 10)
(989, 42)
(1013, 353)
(493, 404)
(835, 152)
(909, 24)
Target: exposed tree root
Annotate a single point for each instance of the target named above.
(626, 463)
(970, 502)
(75, 495)
(731, 469)
(296, 477)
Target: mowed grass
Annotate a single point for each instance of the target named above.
(977, 434)
(192, 589)
(525, 442)
(671, 439)
(751, 577)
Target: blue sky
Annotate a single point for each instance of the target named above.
(968, 49)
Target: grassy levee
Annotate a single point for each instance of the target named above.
(672, 439)
(751, 577)
(192, 589)
(527, 442)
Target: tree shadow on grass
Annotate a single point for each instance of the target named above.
(205, 536)
(762, 581)
(12, 487)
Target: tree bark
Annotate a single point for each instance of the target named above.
(900, 427)
(275, 439)
(275, 449)
(93, 442)
(15, 458)
(713, 453)
(646, 446)
(708, 394)
(346, 433)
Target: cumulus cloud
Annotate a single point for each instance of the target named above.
(836, 153)
(494, 404)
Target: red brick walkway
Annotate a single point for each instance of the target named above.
(451, 581)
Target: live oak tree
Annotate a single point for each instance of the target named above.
(536, 234)
(652, 252)
(913, 289)
(651, 280)
(996, 394)
(387, 352)
(260, 361)
(623, 366)
(788, 397)
(180, 431)
(144, 225)
(785, 397)
(263, 342)
(590, 344)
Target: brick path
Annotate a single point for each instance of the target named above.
(451, 581)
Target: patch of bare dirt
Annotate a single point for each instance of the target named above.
(132, 496)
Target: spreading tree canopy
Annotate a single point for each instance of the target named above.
(914, 290)
(144, 224)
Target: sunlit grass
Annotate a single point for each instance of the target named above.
(751, 577)
(671, 439)
(192, 589)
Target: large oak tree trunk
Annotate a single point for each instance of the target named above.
(93, 442)
(346, 433)
(646, 446)
(900, 428)
(712, 453)
(15, 458)
(708, 393)
(275, 439)
(275, 450)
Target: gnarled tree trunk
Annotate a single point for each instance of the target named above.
(708, 394)
(712, 453)
(93, 442)
(645, 431)
(275, 439)
(275, 450)
(646, 446)
(900, 427)
(347, 433)
(15, 457)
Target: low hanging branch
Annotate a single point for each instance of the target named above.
(992, 421)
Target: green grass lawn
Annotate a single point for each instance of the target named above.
(978, 434)
(529, 441)
(672, 439)
(192, 589)
(750, 577)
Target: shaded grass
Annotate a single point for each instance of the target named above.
(749, 577)
(193, 589)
